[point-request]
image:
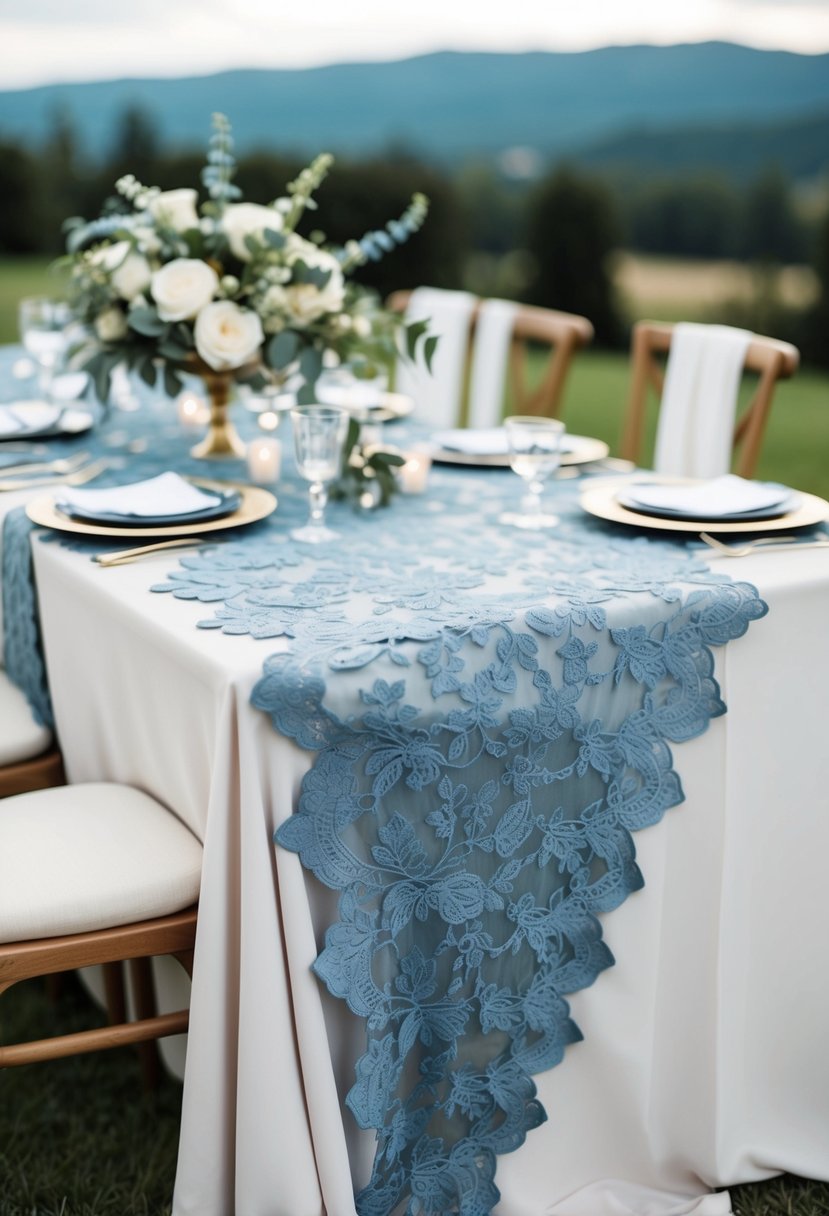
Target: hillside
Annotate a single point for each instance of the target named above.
(450, 105)
(798, 147)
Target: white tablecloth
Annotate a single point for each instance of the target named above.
(703, 1061)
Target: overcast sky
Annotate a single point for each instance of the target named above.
(47, 41)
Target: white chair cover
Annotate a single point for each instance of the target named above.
(493, 334)
(437, 395)
(699, 401)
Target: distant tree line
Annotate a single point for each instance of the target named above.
(549, 242)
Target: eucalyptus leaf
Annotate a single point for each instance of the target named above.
(147, 371)
(173, 383)
(146, 321)
(310, 363)
(282, 349)
(307, 394)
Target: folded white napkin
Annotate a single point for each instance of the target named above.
(68, 386)
(493, 335)
(699, 401)
(437, 395)
(22, 416)
(168, 494)
(718, 498)
(482, 441)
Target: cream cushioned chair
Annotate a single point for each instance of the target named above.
(91, 874)
(28, 761)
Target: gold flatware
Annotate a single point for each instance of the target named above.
(130, 555)
(762, 543)
(67, 464)
(79, 478)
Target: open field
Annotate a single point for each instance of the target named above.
(673, 289)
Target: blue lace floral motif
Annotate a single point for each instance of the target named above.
(492, 718)
(22, 648)
(474, 799)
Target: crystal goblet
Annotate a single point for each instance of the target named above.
(535, 454)
(43, 325)
(319, 435)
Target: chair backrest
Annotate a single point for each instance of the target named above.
(769, 358)
(478, 394)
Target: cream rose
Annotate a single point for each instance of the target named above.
(226, 335)
(241, 220)
(305, 302)
(175, 209)
(111, 325)
(132, 277)
(110, 257)
(183, 287)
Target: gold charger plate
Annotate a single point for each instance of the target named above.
(587, 452)
(601, 502)
(256, 504)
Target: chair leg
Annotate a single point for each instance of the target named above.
(115, 996)
(143, 993)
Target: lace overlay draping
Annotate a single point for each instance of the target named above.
(492, 716)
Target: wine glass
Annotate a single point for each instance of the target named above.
(319, 435)
(534, 445)
(43, 325)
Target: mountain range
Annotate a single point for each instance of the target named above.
(640, 104)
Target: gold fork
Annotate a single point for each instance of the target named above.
(763, 542)
(78, 478)
(130, 555)
(66, 464)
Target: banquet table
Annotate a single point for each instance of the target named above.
(232, 683)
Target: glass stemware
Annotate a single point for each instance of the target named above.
(43, 325)
(535, 453)
(319, 435)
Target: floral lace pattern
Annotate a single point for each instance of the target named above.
(492, 718)
(474, 795)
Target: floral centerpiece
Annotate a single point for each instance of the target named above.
(228, 289)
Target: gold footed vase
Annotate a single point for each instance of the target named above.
(222, 440)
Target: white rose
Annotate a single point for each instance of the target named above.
(183, 287)
(132, 277)
(110, 257)
(241, 220)
(362, 327)
(175, 209)
(111, 325)
(307, 302)
(226, 335)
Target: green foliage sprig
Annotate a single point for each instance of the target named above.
(367, 479)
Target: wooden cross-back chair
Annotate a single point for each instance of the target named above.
(769, 358)
(563, 332)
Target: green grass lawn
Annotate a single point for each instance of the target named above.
(78, 1137)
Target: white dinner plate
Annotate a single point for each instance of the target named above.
(602, 501)
(256, 504)
(582, 449)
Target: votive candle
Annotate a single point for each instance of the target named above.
(413, 476)
(264, 460)
(192, 410)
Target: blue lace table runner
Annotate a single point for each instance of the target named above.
(491, 715)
